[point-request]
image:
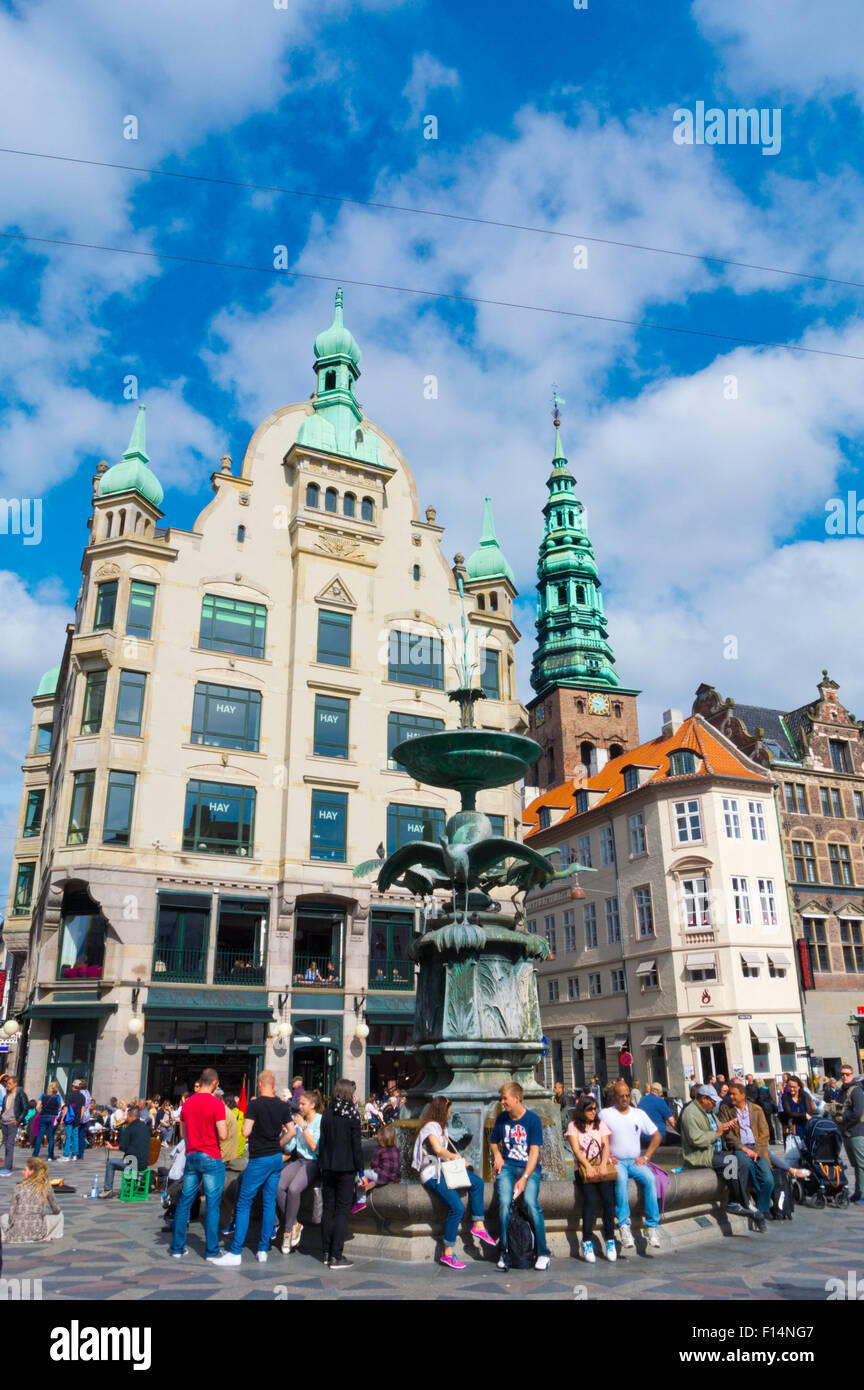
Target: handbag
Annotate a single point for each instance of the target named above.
(455, 1174)
(592, 1153)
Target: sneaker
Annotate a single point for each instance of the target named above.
(502, 1264)
(296, 1235)
(542, 1262)
(611, 1251)
(5, 1172)
(626, 1237)
(286, 1243)
(225, 1259)
(106, 1192)
(342, 1264)
(64, 1160)
(588, 1252)
(483, 1235)
(653, 1238)
(451, 1262)
(178, 1254)
(358, 1206)
(262, 1257)
(737, 1209)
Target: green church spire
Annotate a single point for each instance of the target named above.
(488, 560)
(132, 473)
(572, 642)
(337, 425)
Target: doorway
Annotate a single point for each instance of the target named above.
(712, 1060)
(316, 1052)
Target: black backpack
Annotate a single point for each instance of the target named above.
(783, 1199)
(520, 1240)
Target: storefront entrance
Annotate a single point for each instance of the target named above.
(177, 1050)
(171, 1073)
(316, 1052)
(389, 1059)
(713, 1060)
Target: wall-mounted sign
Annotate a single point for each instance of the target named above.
(625, 1059)
(805, 966)
(745, 1016)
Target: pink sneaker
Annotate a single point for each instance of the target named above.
(483, 1235)
(358, 1206)
(451, 1262)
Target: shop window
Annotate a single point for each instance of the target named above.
(82, 937)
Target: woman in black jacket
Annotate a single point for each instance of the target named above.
(340, 1159)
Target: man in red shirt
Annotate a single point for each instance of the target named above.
(202, 1125)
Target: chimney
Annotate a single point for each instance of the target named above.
(672, 721)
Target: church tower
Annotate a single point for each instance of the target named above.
(581, 713)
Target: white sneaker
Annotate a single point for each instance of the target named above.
(261, 1257)
(611, 1251)
(502, 1263)
(653, 1238)
(225, 1259)
(542, 1262)
(588, 1252)
(625, 1235)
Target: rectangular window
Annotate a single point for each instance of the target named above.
(607, 845)
(24, 888)
(583, 851)
(415, 659)
(130, 703)
(94, 701)
(232, 625)
(757, 820)
(617, 978)
(631, 779)
(825, 801)
(139, 614)
(81, 809)
(841, 865)
(767, 902)
(836, 804)
(219, 818)
(590, 927)
(701, 975)
(117, 827)
(594, 986)
(225, 716)
(696, 903)
(776, 972)
(804, 861)
(638, 842)
(499, 825)
(490, 682)
(613, 921)
(334, 638)
(750, 972)
(545, 818)
(329, 826)
(853, 947)
(402, 727)
(569, 931)
(44, 737)
(741, 902)
(550, 934)
(796, 797)
(859, 805)
(573, 987)
(331, 727)
(840, 760)
(688, 824)
(650, 980)
(407, 823)
(731, 818)
(644, 912)
(817, 938)
(106, 605)
(33, 812)
(553, 991)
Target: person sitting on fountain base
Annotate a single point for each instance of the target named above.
(516, 1141)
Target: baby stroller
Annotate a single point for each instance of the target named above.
(822, 1153)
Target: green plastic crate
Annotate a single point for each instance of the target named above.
(135, 1187)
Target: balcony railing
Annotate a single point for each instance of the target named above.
(388, 972)
(312, 972)
(186, 967)
(238, 968)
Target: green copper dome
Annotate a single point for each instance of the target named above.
(48, 683)
(132, 473)
(337, 340)
(489, 560)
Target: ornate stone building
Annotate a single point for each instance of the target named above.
(211, 756)
(581, 714)
(815, 755)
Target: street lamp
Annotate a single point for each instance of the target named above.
(135, 1026)
(361, 1027)
(11, 1027)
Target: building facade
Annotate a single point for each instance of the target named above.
(212, 756)
(680, 952)
(815, 755)
(581, 714)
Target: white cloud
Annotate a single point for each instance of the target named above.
(427, 76)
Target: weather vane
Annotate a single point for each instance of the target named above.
(556, 402)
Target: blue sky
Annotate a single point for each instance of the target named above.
(707, 513)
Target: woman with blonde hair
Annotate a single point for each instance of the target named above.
(26, 1220)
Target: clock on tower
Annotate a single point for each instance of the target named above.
(599, 704)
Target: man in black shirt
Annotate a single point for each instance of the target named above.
(134, 1140)
(266, 1117)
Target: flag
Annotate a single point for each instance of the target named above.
(241, 1100)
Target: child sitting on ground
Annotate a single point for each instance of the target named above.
(386, 1166)
(31, 1200)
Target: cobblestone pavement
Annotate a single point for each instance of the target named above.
(118, 1251)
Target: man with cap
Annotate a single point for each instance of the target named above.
(702, 1146)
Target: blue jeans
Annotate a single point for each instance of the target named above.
(82, 1140)
(45, 1126)
(211, 1171)
(504, 1184)
(627, 1168)
(71, 1148)
(259, 1172)
(455, 1200)
(763, 1179)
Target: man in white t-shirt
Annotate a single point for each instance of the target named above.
(628, 1125)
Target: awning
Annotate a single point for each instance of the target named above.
(646, 967)
(778, 958)
(619, 1042)
(57, 1009)
(751, 957)
(700, 960)
(652, 1039)
(792, 1032)
(765, 1032)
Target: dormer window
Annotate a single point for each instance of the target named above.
(358, 437)
(682, 763)
(631, 779)
(545, 816)
(582, 801)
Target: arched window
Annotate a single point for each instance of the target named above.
(493, 602)
(358, 437)
(367, 509)
(616, 710)
(581, 594)
(312, 494)
(349, 504)
(331, 500)
(562, 595)
(122, 526)
(615, 750)
(329, 381)
(580, 706)
(481, 602)
(588, 757)
(416, 572)
(109, 522)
